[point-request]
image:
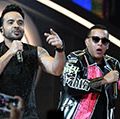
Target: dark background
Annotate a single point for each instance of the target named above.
(73, 34)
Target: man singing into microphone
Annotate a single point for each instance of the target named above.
(19, 62)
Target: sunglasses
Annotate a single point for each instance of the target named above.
(96, 39)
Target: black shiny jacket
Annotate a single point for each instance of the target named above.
(75, 83)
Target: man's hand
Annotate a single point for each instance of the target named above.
(53, 39)
(16, 46)
(111, 77)
(16, 112)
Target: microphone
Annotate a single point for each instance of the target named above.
(115, 86)
(115, 90)
(19, 56)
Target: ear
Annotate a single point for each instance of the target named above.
(1, 29)
(108, 46)
(86, 42)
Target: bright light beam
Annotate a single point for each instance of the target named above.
(74, 17)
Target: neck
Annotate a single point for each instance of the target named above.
(8, 42)
(99, 61)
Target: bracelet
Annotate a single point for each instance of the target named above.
(59, 49)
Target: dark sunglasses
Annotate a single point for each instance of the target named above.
(96, 39)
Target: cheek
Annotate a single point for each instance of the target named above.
(91, 46)
(91, 49)
(22, 30)
(5, 31)
(105, 49)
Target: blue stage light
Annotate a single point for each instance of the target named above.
(87, 4)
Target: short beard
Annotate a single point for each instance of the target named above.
(12, 39)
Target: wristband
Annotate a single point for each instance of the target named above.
(61, 49)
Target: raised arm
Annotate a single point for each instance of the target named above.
(53, 65)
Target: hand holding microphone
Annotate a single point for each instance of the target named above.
(19, 52)
(17, 49)
(112, 77)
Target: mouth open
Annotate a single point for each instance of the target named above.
(16, 32)
(99, 51)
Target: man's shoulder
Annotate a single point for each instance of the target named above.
(78, 53)
(29, 46)
(75, 56)
(110, 58)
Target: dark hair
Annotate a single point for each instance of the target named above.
(9, 8)
(97, 26)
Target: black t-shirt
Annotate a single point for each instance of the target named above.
(100, 111)
(18, 78)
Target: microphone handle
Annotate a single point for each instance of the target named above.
(19, 56)
(115, 87)
(115, 90)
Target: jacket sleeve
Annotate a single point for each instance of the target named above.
(118, 69)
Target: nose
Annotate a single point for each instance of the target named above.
(16, 24)
(100, 42)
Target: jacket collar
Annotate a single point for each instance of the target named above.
(90, 60)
